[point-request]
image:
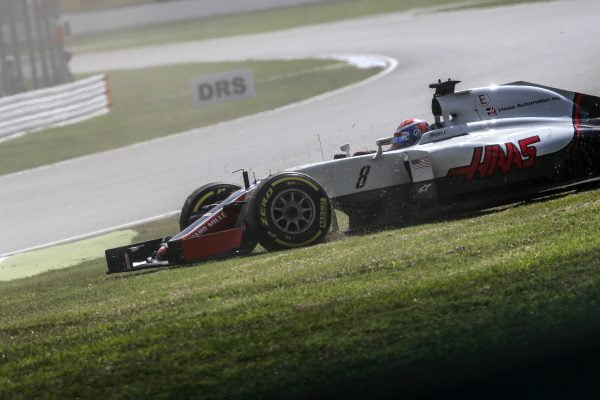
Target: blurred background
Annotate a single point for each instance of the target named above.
(32, 53)
(33, 32)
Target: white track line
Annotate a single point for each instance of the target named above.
(358, 60)
(89, 235)
(391, 64)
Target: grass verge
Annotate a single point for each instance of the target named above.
(73, 6)
(62, 256)
(413, 309)
(260, 21)
(154, 102)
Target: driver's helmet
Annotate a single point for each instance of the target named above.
(408, 133)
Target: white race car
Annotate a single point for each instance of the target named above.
(488, 145)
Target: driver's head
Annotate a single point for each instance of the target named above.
(408, 133)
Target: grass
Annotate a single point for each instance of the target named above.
(157, 101)
(70, 6)
(414, 309)
(260, 21)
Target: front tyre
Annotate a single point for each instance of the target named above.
(197, 204)
(288, 210)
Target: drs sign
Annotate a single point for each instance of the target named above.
(229, 86)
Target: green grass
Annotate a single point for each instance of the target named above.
(70, 6)
(260, 21)
(154, 102)
(421, 307)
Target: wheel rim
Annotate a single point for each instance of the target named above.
(293, 211)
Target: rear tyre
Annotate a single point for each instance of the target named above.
(195, 205)
(288, 210)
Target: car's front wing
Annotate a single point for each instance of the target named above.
(143, 255)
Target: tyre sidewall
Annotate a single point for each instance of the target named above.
(211, 193)
(268, 233)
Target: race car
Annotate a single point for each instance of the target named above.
(487, 145)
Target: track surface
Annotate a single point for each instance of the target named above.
(550, 43)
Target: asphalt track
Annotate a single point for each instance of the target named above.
(550, 43)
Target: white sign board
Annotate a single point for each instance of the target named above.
(219, 88)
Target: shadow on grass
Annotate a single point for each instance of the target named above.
(569, 376)
(573, 375)
(540, 343)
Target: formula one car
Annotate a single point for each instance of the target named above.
(488, 144)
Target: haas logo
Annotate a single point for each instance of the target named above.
(486, 161)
